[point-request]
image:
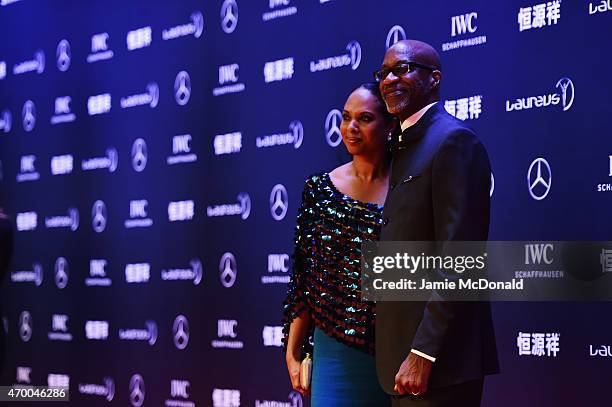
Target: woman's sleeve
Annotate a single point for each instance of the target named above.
(297, 290)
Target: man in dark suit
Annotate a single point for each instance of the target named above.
(433, 353)
(6, 251)
(6, 243)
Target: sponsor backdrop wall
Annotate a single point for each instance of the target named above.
(153, 155)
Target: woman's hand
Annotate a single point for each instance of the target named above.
(294, 366)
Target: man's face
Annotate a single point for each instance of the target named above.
(405, 94)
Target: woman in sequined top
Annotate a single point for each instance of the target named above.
(339, 210)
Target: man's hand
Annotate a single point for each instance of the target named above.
(413, 375)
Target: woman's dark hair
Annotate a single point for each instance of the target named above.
(373, 88)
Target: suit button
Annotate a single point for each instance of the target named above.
(385, 221)
(392, 186)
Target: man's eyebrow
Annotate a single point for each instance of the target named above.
(401, 61)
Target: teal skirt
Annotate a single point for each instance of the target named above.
(343, 376)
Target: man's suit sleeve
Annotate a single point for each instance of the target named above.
(461, 204)
(6, 245)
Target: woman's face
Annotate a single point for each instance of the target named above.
(364, 128)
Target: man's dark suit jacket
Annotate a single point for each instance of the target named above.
(6, 251)
(6, 244)
(439, 191)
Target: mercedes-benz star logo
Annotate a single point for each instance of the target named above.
(297, 129)
(63, 55)
(28, 113)
(396, 33)
(279, 202)
(61, 273)
(332, 128)
(182, 88)
(139, 155)
(567, 92)
(540, 183)
(229, 16)
(25, 326)
(137, 390)
(98, 216)
(198, 271)
(354, 50)
(245, 205)
(228, 270)
(180, 331)
(198, 22)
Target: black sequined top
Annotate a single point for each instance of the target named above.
(326, 278)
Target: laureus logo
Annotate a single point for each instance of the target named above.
(245, 205)
(198, 22)
(354, 50)
(6, 121)
(564, 98)
(566, 86)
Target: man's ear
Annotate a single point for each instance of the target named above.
(436, 78)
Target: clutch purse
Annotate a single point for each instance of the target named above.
(306, 372)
